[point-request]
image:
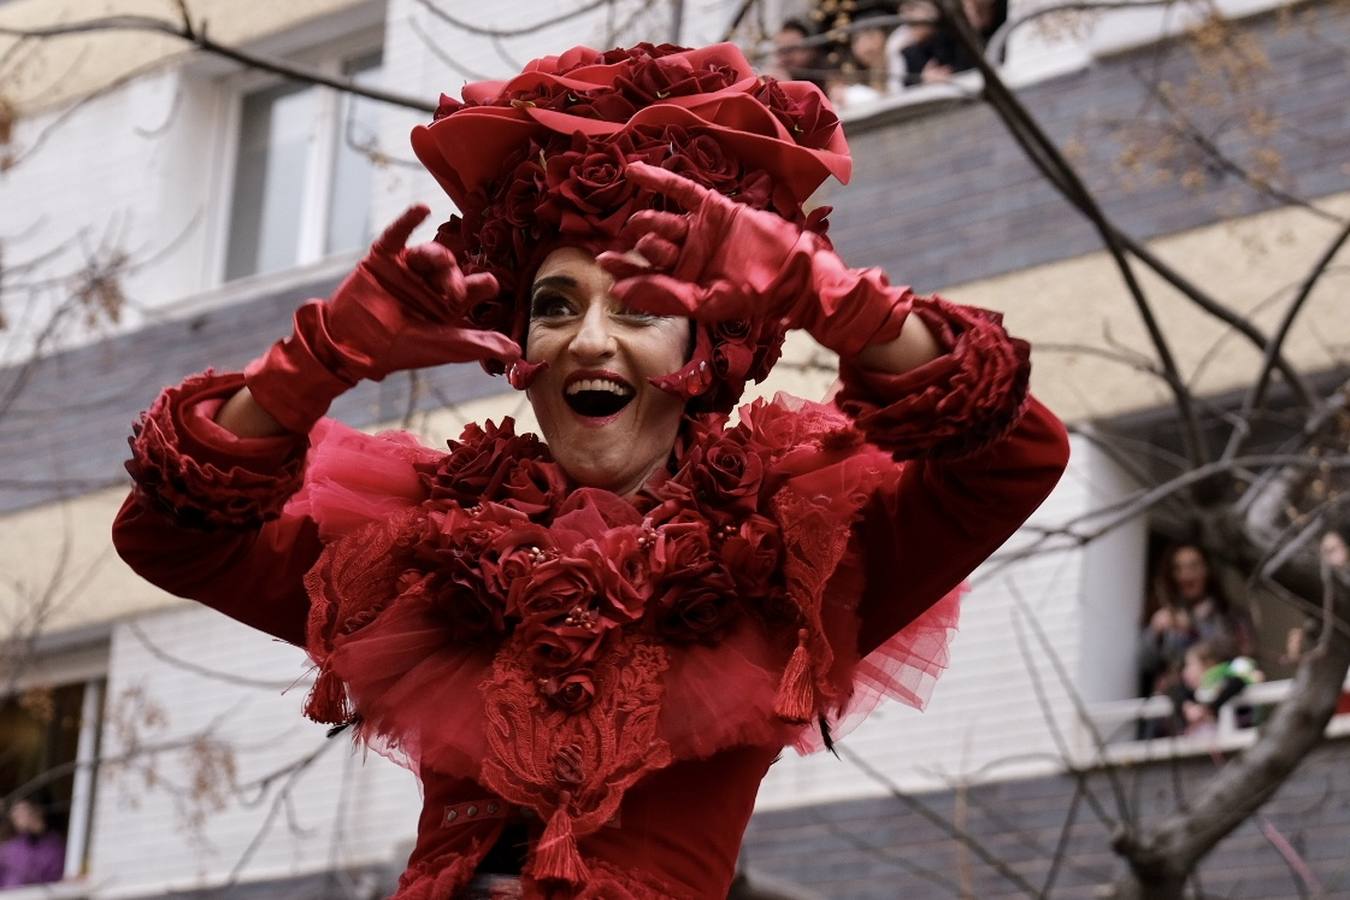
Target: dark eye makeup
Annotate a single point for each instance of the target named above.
(549, 304)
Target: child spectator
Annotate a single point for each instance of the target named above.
(1212, 675)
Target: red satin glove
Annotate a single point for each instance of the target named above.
(400, 309)
(724, 260)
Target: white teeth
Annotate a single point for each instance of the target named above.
(599, 384)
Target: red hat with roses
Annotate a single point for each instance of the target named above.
(537, 162)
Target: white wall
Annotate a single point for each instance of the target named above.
(343, 810)
(983, 720)
(131, 170)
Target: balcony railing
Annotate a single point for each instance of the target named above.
(1118, 724)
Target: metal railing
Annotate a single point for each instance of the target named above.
(1119, 723)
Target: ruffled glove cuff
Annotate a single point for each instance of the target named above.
(952, 406)
(203, 475)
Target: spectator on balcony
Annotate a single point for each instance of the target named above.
(35, 854)
(1188, 606)
(793, 58)
(930, 54)
(1212, 675)
(864, 75)
(1335, 552)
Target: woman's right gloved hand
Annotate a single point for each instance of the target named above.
(402, 308)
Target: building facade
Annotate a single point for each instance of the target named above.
(203, 201)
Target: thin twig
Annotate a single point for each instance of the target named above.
(936, 818)
(1256, 395)
(201, 41)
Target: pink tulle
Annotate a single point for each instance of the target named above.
(417, 692)
(905, 668)
(722, 696)
(353, 478)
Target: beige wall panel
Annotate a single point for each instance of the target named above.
(1254, 265)
(60, 69)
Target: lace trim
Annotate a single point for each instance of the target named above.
(953, 406)
(201, 495)
(573, 769)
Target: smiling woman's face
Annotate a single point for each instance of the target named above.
(606, 425)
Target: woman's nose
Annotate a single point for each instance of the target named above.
(594, 339)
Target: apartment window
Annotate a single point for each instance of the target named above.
(49, 739)
(302, 172)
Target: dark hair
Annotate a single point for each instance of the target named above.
(1164, 590)
(796, 25)
(1213, 650)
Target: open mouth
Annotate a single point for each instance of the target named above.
(597, 396)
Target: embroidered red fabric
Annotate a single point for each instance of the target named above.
(953, 406)
(177, 472)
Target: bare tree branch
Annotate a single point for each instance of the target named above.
(201, 41)
(1045, 156)
(1256, 395)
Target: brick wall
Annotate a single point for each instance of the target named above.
(884, 848)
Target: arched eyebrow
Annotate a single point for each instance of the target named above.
(553, 281)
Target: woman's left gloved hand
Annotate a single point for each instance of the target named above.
(723, 260)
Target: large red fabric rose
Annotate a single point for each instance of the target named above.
(571, 692)
(621, 557)
(514, 554)
(447, 550)
(682, 547)
(697, 608)
(570, 643)
(589, 189)
(478, 463)
(554, 588)
(754, 557)
(811, 121)
(730, 473)
(534, 487)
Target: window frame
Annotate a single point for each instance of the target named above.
(315, 200)
(70, 659)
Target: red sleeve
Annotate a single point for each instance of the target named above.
(981, 456)
(205, 519)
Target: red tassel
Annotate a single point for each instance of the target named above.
(797, 691)
(327, 701)
(556, 858)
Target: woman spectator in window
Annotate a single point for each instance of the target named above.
(1188, 606)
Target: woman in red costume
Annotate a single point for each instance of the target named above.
(590, 648)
